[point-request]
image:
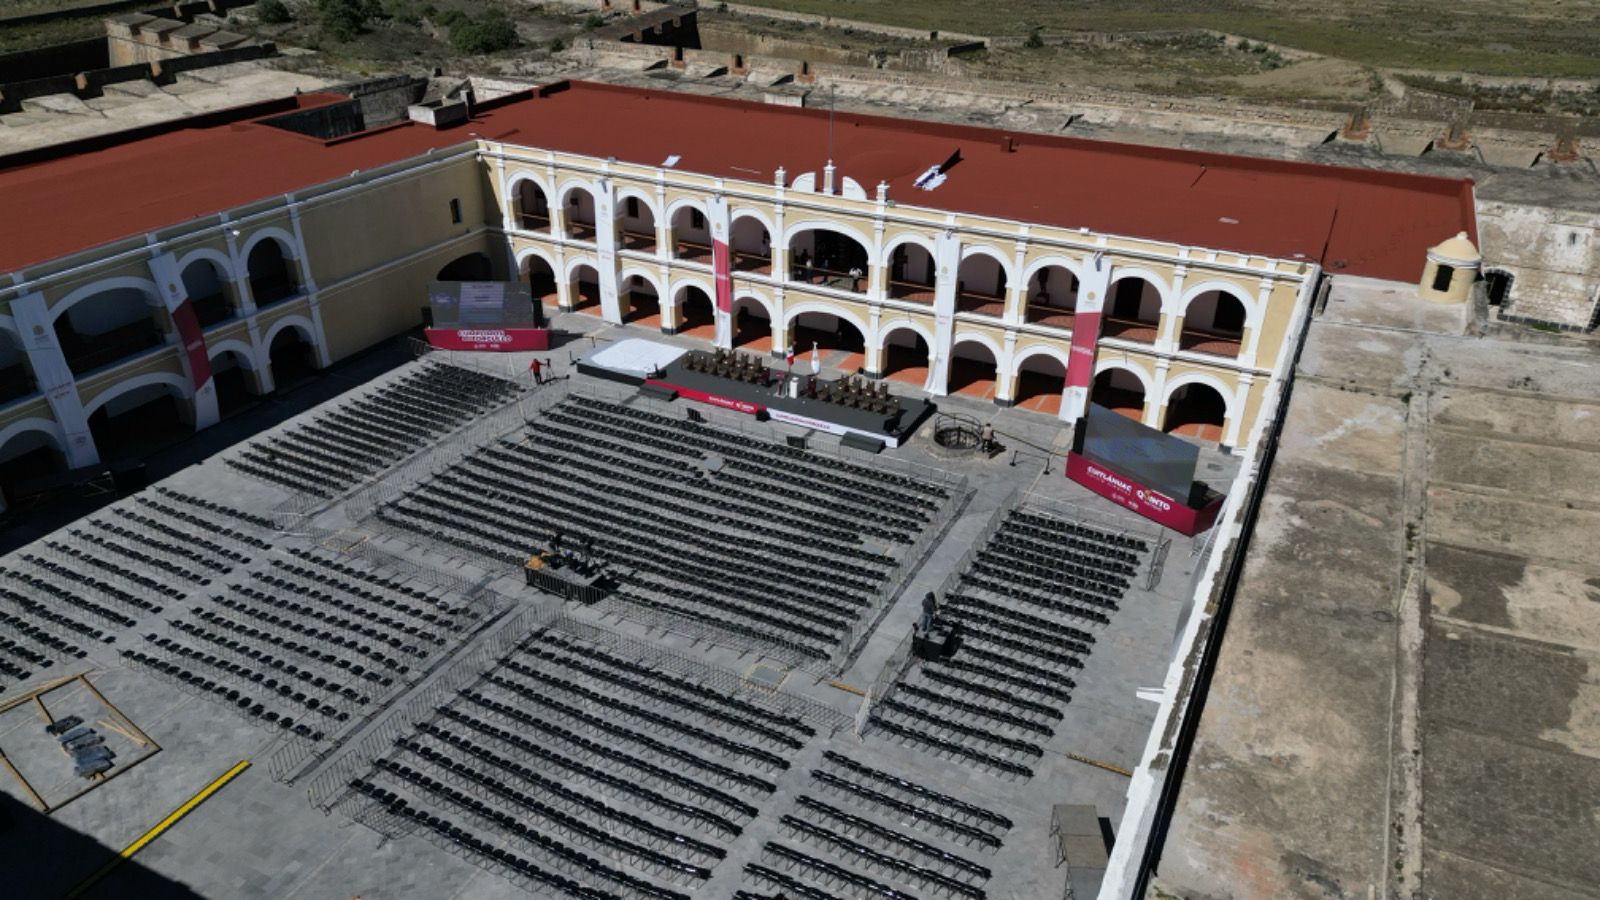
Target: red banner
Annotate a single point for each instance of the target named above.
(194, 343)
(742, 406)
(1080, 360)
(1147, 502)
(722, 268)
(493, 339)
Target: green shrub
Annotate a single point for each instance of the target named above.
(594, 21)
(1034, 41)
(272, 12)
(450, 18)
(557, 45)
(493, 33)
(342, 19)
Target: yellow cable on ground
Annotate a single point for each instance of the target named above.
(1100, 765)
(847, 688)
(171, 820)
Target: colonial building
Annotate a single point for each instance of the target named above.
(165, 276)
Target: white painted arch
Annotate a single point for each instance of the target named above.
(689, 281)
(1132, 368)
(571, 184)
(233, 345)
(574, 262)
(216, 257)
(1207, 379)
(516, 177)
(1006, 265)
(300, 323)
(889, 327)
(534, 251)
(848, 231)
(1163, 288)
(144, 285)
(765, 304)
(907, 237)
(653, 278)
(752, 212)
(1075, 266)
(179, 384)
(269, 232)
(979, 337)
(690, 203)
(49, 427)
(1055, 353)
(1252, 311)
(794, 312)
(639, 194)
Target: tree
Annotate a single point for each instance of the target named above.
(492, 33)
(342, 19)
(272, 12)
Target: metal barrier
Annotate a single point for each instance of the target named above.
(894, 669)
(325, 789)
(824, 718)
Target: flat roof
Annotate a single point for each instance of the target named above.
(1357, 221)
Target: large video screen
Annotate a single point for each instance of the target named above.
(1156, 460)
(481, 304)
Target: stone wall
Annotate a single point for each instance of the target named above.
(1553, 258)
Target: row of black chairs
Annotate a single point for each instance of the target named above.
(297, 687)
(219, 509)
(371, 433)
(180, 672)
(619, 822)
(957, 824)
(870, 829)
(100, 586)
(467, 841)
(835, 844)
(1058, 526)
(563, 431)
(45, 616)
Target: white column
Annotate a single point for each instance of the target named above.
(946, 263)
(1155, 400)
(1017, 290)
(173, 294)
(720, 226)
(1252, 324)
(1241, 397)
(605, 238)
(1167, 336)
(780, 327)
(55, 378)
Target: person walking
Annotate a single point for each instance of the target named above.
(986, 438)
(537, 368)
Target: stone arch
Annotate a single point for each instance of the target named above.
(15, 378)
(636, 233)
(699, 315)
(519, 215)
(1075, 266)
(689, 243)
(119, 282)
(299, 323)
(846, 229)
(537, 269)
(180, 385)
(220, 259)
(273, 274)
(1050, 350)
(759, 299)
(1111, 388)
(748, 335)
(48, 427)
(1193, 418)
(906, 237)
(233, 345)
(581, 218)
(970, 375)
(1192, 293)
(816, 306)
(1007, 264)
(573, 262)
(271, 232)
(906, 364)
(1105, 365)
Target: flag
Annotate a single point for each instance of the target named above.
(816, 360)
(788, 356)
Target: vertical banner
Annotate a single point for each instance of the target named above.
(605, 241)
(721, 269)
(194, 344)
(1080, 360)
(54, 377)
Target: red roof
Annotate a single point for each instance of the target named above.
(1358, 221)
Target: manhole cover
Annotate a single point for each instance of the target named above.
(767, 677)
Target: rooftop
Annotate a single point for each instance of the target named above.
(1356, 221)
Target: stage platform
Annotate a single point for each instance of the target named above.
(817, 415)
(629, 361)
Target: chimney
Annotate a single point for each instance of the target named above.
(883, 191)
(827, 178)
(778, 177)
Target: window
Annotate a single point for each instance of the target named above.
(455, 211)
(1499, 285)
(633, 207)
(696, 220)
(1442, 277)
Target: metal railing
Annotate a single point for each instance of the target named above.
(329, 784)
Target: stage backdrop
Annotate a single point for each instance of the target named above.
(485, 315)
(1154, 459)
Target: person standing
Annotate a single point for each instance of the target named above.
(986, 438)
(537, 368)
